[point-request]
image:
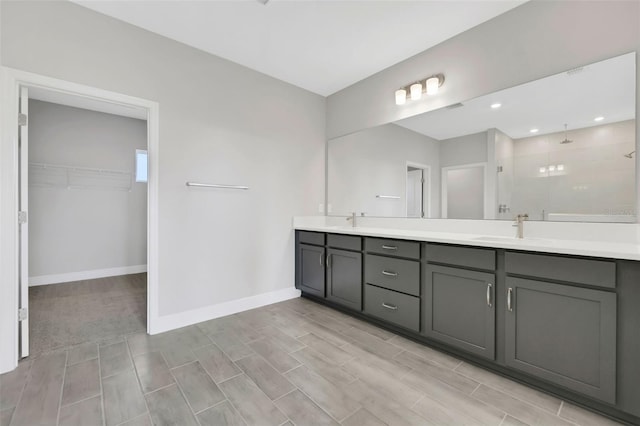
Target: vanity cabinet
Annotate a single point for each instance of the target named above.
(330, 266)
(459, 302)
(344, 278)
(310, 263)
(567, 324)
(562, 333)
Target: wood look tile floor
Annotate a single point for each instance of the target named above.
(291, 363)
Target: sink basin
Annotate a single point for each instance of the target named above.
(499, 239)
(512, 240)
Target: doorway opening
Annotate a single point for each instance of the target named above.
(418, 190)
(83, 240)
(74, 192)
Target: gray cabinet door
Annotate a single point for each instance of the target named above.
(459, 308)
(344, 278)
(310, 269)
(563, 334)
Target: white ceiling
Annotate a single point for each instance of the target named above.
(320, 45)
(605, 88)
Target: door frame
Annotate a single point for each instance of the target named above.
(11, 82)
(426, 188)
(486, 208)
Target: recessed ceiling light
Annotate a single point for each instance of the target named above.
(598, 118)
(496, 105)
(534, 130)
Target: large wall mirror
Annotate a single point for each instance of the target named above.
(561, 148)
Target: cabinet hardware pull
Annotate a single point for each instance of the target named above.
(489, 294)
(389, 247)
(392, 307)
(320, 259)
(328, 261)
(509, 295)
(390, 274)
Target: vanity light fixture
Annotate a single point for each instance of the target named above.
(534, 130)
(428, 86)
(496, 105)
(416, 91)
(600, 118)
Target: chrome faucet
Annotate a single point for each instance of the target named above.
(519, 222)
(352, 219)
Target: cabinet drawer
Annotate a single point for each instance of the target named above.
(599, 273)
(391, 306)
(461, 256)
(347, 242)
(398, 248)
(395, 274)
(308, 237)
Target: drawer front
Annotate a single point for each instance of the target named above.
(395, 274)
(347, 242)
(308, 237)
(461, 256)
(599, 273)
(410, 249)
(397, 308)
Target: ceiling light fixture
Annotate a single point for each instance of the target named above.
(496, 105)
(429, 86)
(534, 130)
(598, 118)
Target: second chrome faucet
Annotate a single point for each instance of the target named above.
(519, 222)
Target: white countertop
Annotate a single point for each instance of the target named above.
(604, 249)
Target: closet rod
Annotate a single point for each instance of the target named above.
(213, 185)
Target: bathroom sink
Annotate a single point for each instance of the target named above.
(512, 240)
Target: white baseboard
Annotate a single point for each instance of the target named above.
(86, 275)
(183, 319)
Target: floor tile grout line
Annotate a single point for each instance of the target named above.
(104, 414)
(503, 419)
(135, 372)
(510, 393)
(80, 400)
(64, 377)
(318, 405)
(175, 381)
(236, 408)
(24, 385)
(560, 408)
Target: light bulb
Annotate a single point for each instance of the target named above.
(543, 169)
(560, 167)
(401, 96)
(598, 118)
(552, 168)
(416, 91)
(496, 105)
(534, 130)
(433, 83)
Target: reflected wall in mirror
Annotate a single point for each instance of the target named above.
(559, 148)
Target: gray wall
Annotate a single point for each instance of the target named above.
(537, 39)
(374, 162)
(219, 122)
(465, 149)
(98, 226)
